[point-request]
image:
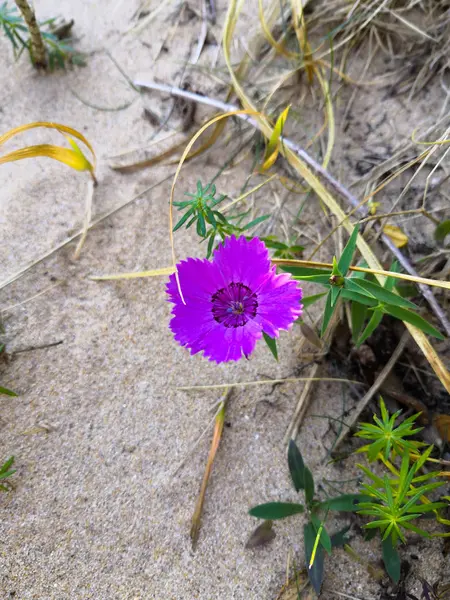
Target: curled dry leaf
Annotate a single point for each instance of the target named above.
(311, 335)
(399, 238)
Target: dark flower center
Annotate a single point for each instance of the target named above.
(234, 305)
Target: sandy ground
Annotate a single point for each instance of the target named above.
(99, 427)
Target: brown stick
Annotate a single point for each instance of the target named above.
(38, 51)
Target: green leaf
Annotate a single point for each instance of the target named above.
(406, 315)
(201, 225)
(335, 270)
(442, 231)
(335, 291)
(7, 392)
(210, 217)
(256, 222)
(351, 286)
(316, 572)
(375, 320)
(327, 313)
(7, 465)
(296, 466)
(307, 301)
(210, 245)
(272, 344)
(391, 559)
(276, 510)
(360, 298)
(346, 257)
(358, 314)
(344, 503)
(309, 487)
(384, 295)
(390, 282)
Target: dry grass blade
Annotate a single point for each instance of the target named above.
(135, 275)
(73, 158)
(220, 386)
(218, 429)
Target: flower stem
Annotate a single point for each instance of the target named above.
(38, 52)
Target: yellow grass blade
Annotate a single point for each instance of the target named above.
(381, 272)
(73, 158)
(68, 157)
(273, 146)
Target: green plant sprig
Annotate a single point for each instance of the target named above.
(201, 209)
(388, 438)
(59, 52)
(370, 301)
(5, 472)
(395, 502)
(317, 540)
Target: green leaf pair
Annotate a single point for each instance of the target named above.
(316, 538)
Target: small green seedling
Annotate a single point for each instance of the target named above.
(5, 472)
(58, 51)
(317, 540)
(201, 209)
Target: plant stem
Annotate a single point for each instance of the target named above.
(38, 51)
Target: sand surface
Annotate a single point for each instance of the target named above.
(99, 426)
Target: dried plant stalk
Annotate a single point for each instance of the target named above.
(39, 54)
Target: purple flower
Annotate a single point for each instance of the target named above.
(231, 301)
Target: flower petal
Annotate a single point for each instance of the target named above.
(241, 260)
(278, 303)
(198, 281)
